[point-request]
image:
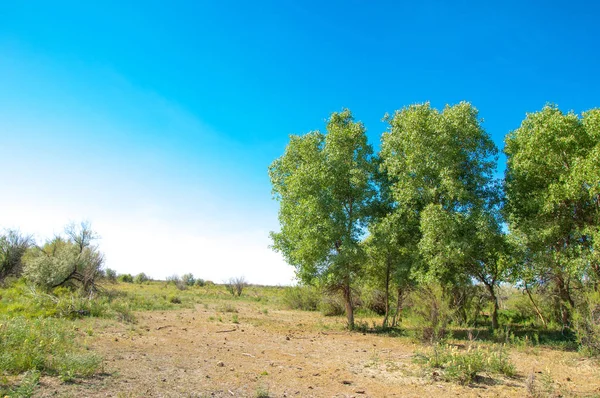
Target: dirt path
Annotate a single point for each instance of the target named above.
(191, 353)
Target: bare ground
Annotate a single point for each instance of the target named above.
(193, 353)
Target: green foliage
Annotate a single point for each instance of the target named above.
(463, 367)
(12, 247)
(587, 325)
(46, 345)
(72, 261)
(332, 305)
(325, 186)
(141, 278)
(110, 275)
(306, 298)
(553, 202)
(200, 282)
(188, 279)
(125, 278)
(431, 312)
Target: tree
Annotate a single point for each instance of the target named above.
(552, 187)
(441, 167)
(236, 285)
(12, 247)
(72, 261)
(324, 184)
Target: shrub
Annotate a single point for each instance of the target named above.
(375, 302)
(226, 307)
(141, 278)
(306, 298)
(200, 282)
(125, 278)
(464, 366)
(174, 299)
(431, 312)
(332, 305)
(235, 286)
(110, 275)
(72, 261)
(188, 279)
(12, 247)
(587, 325)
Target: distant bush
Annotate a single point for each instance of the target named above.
(110, 275)
(200, 282)
(305, 298)
(12, 247)
(332, 305)
(174, 300)
(235, 286)
(125, 278)
(177, 281)
(141, 278)
(188, 279)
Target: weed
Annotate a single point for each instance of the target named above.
(464, 366)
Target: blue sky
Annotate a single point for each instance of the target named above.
(157, 121)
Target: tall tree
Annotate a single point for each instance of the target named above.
(324, 184)
(552, 186)
(441, 165)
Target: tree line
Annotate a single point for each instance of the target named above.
(427, 208)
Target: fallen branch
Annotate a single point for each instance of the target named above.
(248, 355)
(225, 331)
(164, 327)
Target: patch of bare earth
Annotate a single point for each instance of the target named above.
(191, 353)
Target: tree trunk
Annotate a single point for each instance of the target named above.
(397, 318)
(537, 309)
(490, 288)
(567, 303)
(387, 293)
(349, 305)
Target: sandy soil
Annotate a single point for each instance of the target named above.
(191, 353)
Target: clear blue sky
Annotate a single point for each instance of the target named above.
(157, 121)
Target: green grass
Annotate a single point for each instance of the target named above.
(45, 345)
(464, 366)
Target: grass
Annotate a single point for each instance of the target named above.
(43, 345)
(464, 366)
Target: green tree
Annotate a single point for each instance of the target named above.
(324, 184)
(552, 186)
(441, 165)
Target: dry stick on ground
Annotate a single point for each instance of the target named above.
(225, 331)
(164, 327)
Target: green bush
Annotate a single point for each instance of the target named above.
(431, 313)
(188, 279)
(306, 298)
(110, 275)
(463, 366)
(332, 305)
(200, 282)
(125, 278)
(141, 278)
(586, 325)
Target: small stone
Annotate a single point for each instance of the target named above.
(220, 364)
